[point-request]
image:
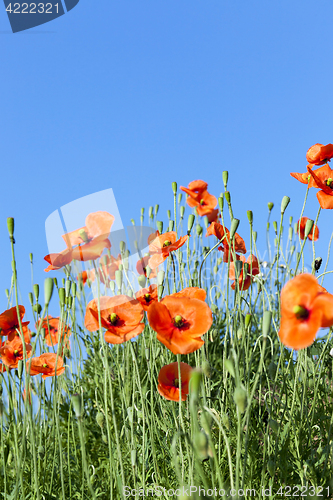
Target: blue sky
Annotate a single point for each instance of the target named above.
(134, 95)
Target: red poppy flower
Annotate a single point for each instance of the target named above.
(192, 292)
(121, 316)
(304, 309)
(146, 296)
(92, 238)
(47, 364)
(107, 268)
(161, 247)
(199, 197)
(141, 267)
(214, 215)
(52, 333)
(303, 178)
(322, 178)
(84, 276)
(9, 323)
(319, 154)
(244, 284)
(220, 232)
(180, 322)
(58, 260)
(301, 229)
(168, 381)
(12, 352)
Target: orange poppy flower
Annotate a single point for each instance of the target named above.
(168, 381)
(121, 316)
(220, 232)
(301, 229)
(161, 247)
(46, 364)
(322, 178)
(180, 322)
(199, 197)
(146, 296)
(52, 334)
(303, 178)
(3, 368)
(141, 267)
(319, 154)
(58, 260)
(304, 309)
(12, 352)
(192, 292)
(84, 276)
(244, 284)
(9, 323)
(92, 238)
(214, 215)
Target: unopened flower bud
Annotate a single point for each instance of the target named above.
(285, 202)
(225, 176)
(190, 223)
(270, 206)
(159, 225)
(174, 187)
(10, 226)
(48, 290)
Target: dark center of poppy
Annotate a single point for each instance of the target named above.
(44, 365)
(166, 243)
(16, 353)
(147, 297)
(176, 382)
(329, 182)
(113, 318)
(178, 320)
(301, 312)
(201, 202)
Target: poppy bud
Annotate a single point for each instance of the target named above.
(159, 225)
(169, 214)
(133, 458)
(285, 202)
(142, 211)
(215, 269)
(36, 292)
(119, 278)
(292, 249)
(171, 224)
(247, 320)
(233, 227)
(20, 369)
(7, 293)
(270, 205)
(249, 214)
(156, 209)
(122, 246)
(199, 230)
(225, 176)
(142, 281)
(160, 277)
(291, 220)
(229, 366)
(37, 308)
(67, 287)
(73, 289)
(150, 213)
(174, 187)
(180, 197)
(271, 467)
(266, 323)
(308, 227)
(112, 286)
(148, 272)
(268, 226)
(240, 398)
(255, 234)
(227, 197)
(196, 378)
(182, 211)
(218, 295)
(62, 296)
(31, 298)
(238, 268)
(133, 222)
(290, 235)
(100, 419)
(76, 400)
(190, 223)
(69, 301)
(10, 226)
(55, 281)
(30, 257)
(275, 226)
(48, 290)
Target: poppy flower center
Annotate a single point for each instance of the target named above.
(176, 382)
(113, 318)
(147, 297)
(301, 312)
(178, 320)
(84, 236)
(16, 353)
(329, 182)
(166, 243)
(44, 365)
(201, 202)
